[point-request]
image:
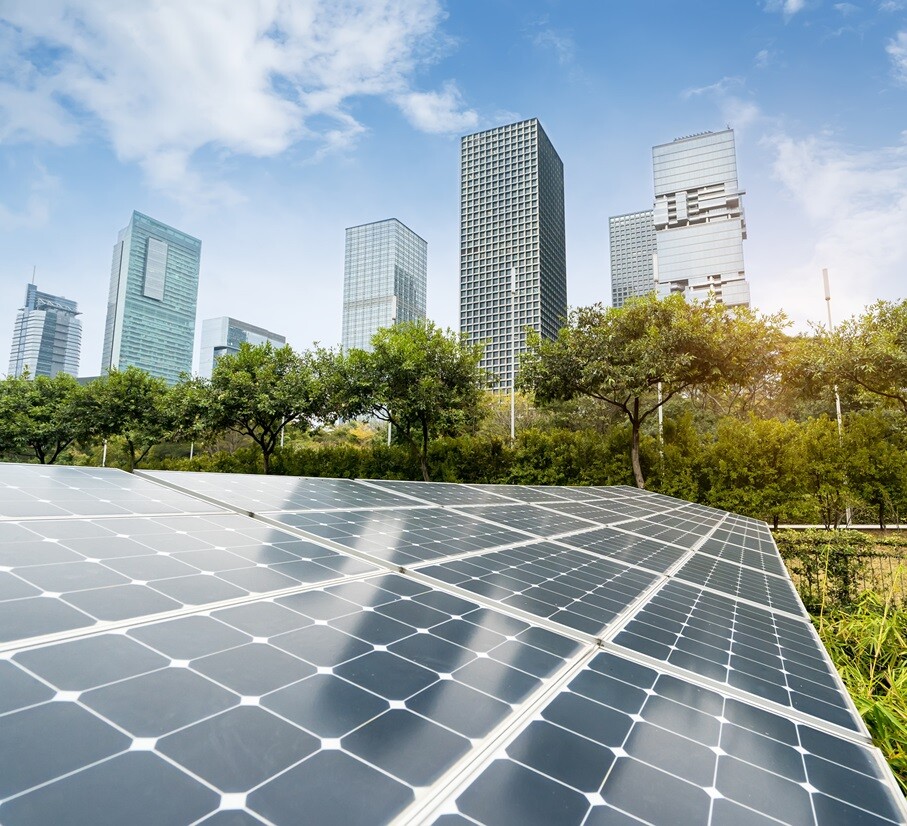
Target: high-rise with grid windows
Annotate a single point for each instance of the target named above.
(511, 217)
(632, 238)
(151, 305)
(47, 337)
(384, 280)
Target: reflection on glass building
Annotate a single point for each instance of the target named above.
(47, 337)
(698, 216)
(222, 337)
(511, 217)
(384, 280)
(632, 239)
(151, 305)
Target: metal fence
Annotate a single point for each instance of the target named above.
(828, 577)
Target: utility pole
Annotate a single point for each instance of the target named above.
(837, 395)
(512, 353)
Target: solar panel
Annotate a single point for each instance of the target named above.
(269, 494)
(626, 742)
(532, 519)
(367, 652)
(49, 490)
(404, 537)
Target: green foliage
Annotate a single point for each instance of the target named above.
(132, 405)
(876, 463)
(425, 381)
(259, 391)
(640, 356)
(41, 417)
(867, 643)
(869, 352)
(755, 467)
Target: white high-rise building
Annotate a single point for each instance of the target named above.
(698, 216)
(47, 337)
(385, 277)
(222, 337)
(511, 220)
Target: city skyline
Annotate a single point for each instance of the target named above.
(348, 116)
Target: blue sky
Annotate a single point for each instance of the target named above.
(265, 128)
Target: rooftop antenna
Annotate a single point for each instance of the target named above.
(33, 270)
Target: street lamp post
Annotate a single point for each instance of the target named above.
(837, 395)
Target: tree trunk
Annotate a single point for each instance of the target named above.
(634, 448)
(423, 454)
(266, 460)
(882, 516)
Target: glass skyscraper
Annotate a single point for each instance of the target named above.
(511, 217)
(47, 337)
(151, 305)
(699, 222)
(384, 280)
(632, 238)
(222, 337)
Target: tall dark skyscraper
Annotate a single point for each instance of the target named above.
(511, 218)
(47, 337)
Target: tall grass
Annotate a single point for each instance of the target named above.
(867, 641)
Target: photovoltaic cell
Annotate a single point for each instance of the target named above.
(292, 679)
(568, 587)
(738, 581)
(626, 743)
(766, 654)
(405, 537)
(443, 493)
(114, 569)
(633, 550)
(531, 519)
(53, 491)
(270, 721)
(269, 494)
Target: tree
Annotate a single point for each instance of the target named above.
(260, 390)
(870, 352)
(640, 356)
(876, 462)
(755, 467)
(423, 380)
(40, 415)
(130, 404)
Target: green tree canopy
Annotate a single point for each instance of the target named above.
(41, 416)
(869, 352)
(640, 356)
(260, 390)
(130, 404)
(423, 380)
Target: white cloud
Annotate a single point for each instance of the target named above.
(897, 50)
(846, 9)
(559, 42)
(161, 79)
(787, 7)
(438, 111)
(854, 203)
(763, 58)
(736, 111)
(35, 211)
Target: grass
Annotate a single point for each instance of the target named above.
(867, 641)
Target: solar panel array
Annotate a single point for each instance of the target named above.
(230, 649)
